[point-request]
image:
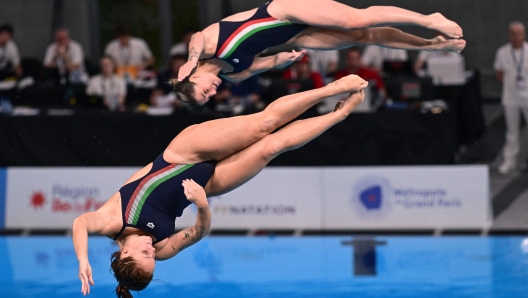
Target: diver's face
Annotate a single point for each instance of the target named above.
(141, 250)
(205, 86)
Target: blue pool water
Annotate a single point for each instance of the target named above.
(284, 267)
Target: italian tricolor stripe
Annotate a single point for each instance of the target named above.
(244, 32)
(146, 187)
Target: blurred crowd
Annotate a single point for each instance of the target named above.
(125, 77)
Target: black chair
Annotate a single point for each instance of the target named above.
(31, 66)
(91, 68)
(410, 88)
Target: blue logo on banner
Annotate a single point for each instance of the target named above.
(371, 198)
(3, 191)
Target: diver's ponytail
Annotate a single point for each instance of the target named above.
(122, 292)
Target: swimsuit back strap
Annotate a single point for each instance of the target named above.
(121, 231)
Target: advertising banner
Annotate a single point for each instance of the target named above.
(277, 198)
(54, 197)
(406, 197)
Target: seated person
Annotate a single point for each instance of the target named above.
(67, 56)
(9, 56)
(108, 85)
(162, 95)
(131, 54)
(445, 68)
(353, 65)
(237, 98)
(374, 56)
(324, 62)
(302, 70)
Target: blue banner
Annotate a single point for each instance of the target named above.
(3, 191)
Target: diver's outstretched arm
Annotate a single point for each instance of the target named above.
(91, 222)
(262, 64)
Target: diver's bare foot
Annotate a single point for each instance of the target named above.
(439, 43)
(349, 83)
(438, 22)
(345, 107)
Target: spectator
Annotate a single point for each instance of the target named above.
(9, 56)
(324, 62)
(374, 56)
(453, 67)
(131, 54)
(182, 47)
(67, 56)
(162, 95)
(512, 71)
(236, 98)
(353, 65)
(301, 70)
(108, 85)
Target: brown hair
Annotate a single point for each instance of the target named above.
(129, 276)
(185, 91)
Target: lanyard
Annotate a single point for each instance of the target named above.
(103, 86)
(518, 65)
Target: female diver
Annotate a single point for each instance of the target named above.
(228, 48)
(218, 155)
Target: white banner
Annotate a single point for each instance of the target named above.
(54, 197)
(426, 197)
(277, 198)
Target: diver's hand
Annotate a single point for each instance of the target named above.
(85, 275)
(350, 83)
(186, 69)
(286, 58)
(194, 192)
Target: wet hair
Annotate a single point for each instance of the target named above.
(129, 276)
(7, 28)
(185, 92)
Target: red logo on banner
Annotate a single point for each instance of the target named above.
(38, 200)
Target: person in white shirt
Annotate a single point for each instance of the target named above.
(182, 47)
(9, 56)
(453, 67)
(67, 55)
(374, 56)
(108, 85)
(425, 56)
(324, 62)
(131, 54)
(512, 71)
